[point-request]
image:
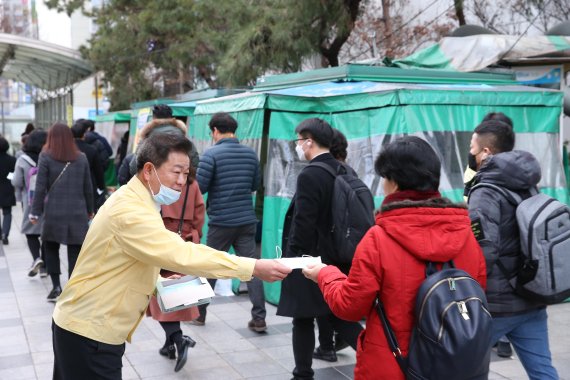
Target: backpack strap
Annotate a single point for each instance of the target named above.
(29, 160)
(390, 335)
(181, 223)
(324, 166)
(510, 195)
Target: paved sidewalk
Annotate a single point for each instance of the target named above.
(226, 349)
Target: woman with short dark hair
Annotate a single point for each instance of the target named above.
(7, 196)
(26, 166)
(415, 225)
(64, 196)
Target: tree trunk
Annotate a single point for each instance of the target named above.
(330, 53)
(459, 11)
(387, 18)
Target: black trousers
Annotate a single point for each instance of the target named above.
(304, 341)
(52, 257)
(77, 357)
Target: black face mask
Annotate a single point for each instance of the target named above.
(472, 162)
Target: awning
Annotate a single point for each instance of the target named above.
(43, 65)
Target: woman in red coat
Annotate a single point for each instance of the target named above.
(192, 223)
(414, 225)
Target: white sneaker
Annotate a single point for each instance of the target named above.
(35, 267)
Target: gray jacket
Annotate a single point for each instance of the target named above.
(69, 201)
(229, 173)
(497, 228)
(20, 183)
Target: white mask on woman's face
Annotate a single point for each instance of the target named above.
(301, 152)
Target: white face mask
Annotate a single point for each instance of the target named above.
(166, 195)
(300, 152)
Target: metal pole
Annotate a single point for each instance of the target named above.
(96, 96)
(3, 121)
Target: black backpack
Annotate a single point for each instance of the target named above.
(352, 212)
(451, 339)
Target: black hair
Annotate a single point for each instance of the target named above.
(316, 129)
(223, 122)
(410, 162)
(29, 129)
(498, 136)
(339, 145)
(88, 124)
(156, 148)
(498, 116)
(4, 145)
(35, 141)
(161, 111)
(79, 128)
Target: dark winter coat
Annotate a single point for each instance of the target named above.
(307, 231)
(7, 195)
(104, 150)
(499, 238)
(69, 201)
(97, 175)
(390, 261)
(229, 173)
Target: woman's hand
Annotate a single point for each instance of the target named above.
(174, 277)
(312, 271)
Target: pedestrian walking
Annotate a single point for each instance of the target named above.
(7, 195)
(64, 196)
(24, 182)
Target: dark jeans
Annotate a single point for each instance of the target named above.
(6, 221)
(52, 257)
(242, 239)
(77, 357)
(304, 341)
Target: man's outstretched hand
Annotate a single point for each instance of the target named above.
(270, 270)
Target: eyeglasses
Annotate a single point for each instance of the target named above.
(297, 140)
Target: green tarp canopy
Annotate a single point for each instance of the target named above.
(372, 114)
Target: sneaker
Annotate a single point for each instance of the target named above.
(329, 356)
(43, 271)
(54, 294)
(257, 325)
(504, 349)
(36, 265)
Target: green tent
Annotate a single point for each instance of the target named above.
(372, 114)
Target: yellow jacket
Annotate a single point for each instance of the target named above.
(121, 257)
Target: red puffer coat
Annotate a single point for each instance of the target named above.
(390, 260)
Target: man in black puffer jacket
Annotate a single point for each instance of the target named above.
(229, 173)
(494, 222)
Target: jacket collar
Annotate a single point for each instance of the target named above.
(142, 191)
(228, 140)
(428, 203)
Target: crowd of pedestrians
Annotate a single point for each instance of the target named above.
(153, 225)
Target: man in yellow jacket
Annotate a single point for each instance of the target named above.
(120, 259)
